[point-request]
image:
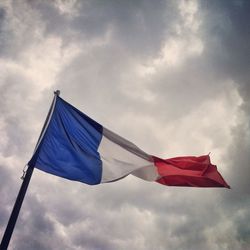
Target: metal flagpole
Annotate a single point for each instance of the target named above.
(13, 218)
(16, 209)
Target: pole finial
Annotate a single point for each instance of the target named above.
(57, 92)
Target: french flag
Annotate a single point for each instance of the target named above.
(76, 147)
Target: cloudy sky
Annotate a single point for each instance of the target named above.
(171, 76)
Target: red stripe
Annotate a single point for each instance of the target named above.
(189, 171)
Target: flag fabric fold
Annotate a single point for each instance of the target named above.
(76, 147)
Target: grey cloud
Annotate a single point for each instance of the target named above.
(102, 80)
(139, 27)
(230, 28)
(5, 180)
(229, 46)
(35, 229)
(18, 31)
(233, 62)
(14, 102)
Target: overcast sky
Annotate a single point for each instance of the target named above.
(170, 76)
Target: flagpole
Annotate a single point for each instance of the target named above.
(16, 209)
(26, 180)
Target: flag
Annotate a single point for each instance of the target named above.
(75, 147)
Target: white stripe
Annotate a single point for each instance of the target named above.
(127, 145)
(121, 157)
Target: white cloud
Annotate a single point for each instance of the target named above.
(170, 76)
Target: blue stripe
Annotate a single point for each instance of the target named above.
(69, 146)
